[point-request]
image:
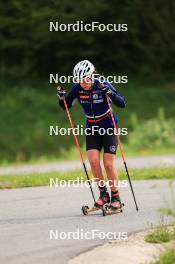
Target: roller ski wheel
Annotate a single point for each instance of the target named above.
(107, 210)
(85, 209)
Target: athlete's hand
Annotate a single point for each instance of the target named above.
(105, 88)
(61, 92)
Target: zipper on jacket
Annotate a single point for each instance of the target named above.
(92, 110)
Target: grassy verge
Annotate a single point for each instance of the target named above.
(161, 234)
(165, 233)
(43, 179)
(168, 257)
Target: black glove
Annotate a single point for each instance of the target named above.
(61, 92)
(105, 88)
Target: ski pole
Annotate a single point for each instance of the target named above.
(78, 147)
(122, 153)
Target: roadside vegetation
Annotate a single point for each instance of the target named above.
(164, 233)
(168, 257)
(43, 179)
(161, 234)
(28, 109)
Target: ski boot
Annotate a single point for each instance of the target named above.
(103, 199)
(115, 201)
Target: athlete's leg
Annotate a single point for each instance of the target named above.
(111, 170)
(93, 147)
(110, 147)
(94, 159)
(110, 167)
(109, 161)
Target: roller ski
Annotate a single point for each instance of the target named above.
(98, 205)
(116, 206)
(107, 209)
(105, 205)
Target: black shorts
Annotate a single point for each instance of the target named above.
(97, 141)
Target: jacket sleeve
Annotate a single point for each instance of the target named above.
(116, 97)
(69, 99)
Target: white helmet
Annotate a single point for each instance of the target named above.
(83, 69)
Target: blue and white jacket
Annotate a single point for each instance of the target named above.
(94, 103)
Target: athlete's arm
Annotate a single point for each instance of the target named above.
(115, 96)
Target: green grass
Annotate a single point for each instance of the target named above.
(28, 109)
(36, 179)
(165, 233)
(43, 179)
(168, 257)
(153, 173)
(161, 234)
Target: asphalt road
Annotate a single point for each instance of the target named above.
(27, 216)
